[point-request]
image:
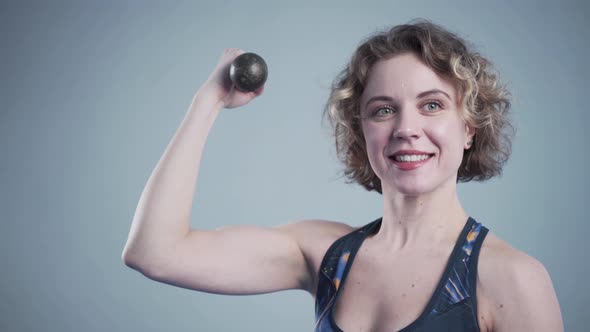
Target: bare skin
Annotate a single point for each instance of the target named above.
(421, 220)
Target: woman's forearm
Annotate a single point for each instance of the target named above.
(162, 216)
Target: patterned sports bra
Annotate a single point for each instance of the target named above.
(452, 307)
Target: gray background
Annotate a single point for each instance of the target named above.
(92, 92)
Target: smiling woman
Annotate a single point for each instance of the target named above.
(415, 112)
(484, 101)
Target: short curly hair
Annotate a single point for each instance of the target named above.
(485, 102)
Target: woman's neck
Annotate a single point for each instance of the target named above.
(414, 221)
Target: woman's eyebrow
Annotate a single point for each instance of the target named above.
(379, 98)
(432, 92)
(420, 95)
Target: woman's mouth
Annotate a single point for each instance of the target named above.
(408, 162)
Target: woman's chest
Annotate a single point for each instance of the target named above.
(387, 297)
(405, 295)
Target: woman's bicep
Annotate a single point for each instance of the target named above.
(236, 260)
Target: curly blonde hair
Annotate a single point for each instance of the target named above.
(486, 103)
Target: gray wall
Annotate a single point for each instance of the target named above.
(91, 94)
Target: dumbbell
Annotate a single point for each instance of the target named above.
(248, 72)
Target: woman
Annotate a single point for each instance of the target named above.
(415, 112)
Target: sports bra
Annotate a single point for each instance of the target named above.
(453, 305)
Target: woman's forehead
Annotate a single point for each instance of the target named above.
(404, 76)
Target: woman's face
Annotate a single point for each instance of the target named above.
(412, 125)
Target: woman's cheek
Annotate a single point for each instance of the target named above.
(449, 140)
(376, 143)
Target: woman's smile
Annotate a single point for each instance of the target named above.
(407, 160)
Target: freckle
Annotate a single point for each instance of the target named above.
(501, 306)
(412, 285)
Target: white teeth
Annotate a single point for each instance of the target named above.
(411, 157)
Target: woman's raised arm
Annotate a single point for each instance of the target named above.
(228, 260)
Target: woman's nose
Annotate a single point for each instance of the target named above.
(407, 126)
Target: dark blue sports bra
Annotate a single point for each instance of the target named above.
(452, 307)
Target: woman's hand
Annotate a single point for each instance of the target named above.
(219, 85)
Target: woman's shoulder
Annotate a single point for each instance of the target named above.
(315, 236)
(498, 255)
(314, 229)
(514, 284)
(503, 268)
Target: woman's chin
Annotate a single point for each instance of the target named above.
(411, 189)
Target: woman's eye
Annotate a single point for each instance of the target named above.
(386, 110)
(432, 106)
